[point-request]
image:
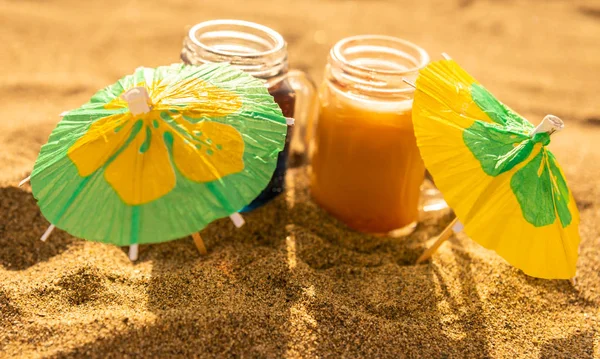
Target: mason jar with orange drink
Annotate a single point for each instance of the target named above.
(366, 167)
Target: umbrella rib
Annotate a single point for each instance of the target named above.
(558, 220)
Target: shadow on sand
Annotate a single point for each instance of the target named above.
(580, 345)
(21, 226)
(295, 282)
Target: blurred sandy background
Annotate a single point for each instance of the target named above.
(293, 282)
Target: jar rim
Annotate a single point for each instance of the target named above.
(337, 54)
(278, 45)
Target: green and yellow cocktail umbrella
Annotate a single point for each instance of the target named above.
(159, 155)
(495, 170)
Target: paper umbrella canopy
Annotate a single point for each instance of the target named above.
(159, 154)
(495, 170)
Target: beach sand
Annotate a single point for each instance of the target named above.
(293, 282)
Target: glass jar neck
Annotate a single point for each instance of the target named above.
(375, 66)
(250, 47)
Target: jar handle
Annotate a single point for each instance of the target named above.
(305, 114)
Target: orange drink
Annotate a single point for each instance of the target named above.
(366, 167)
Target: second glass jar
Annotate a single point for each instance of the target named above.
(261, 52)
(366, 167)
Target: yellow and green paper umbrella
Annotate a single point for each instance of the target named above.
(495, 170)
(159, 155)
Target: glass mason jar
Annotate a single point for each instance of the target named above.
(261, 52)
(366, 166)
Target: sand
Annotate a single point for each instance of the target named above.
(293, 282)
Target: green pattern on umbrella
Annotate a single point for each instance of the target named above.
(540, 176)
(506, 143)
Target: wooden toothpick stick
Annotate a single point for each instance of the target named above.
(237, 220)
(199, 244)
(446, 233)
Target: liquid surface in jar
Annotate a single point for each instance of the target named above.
(285, 97)
(366, 167)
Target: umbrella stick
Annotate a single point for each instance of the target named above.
(199, 244)
(24, 181)
(446, 233)
(133, 252)
(237, 219)
(47, 233)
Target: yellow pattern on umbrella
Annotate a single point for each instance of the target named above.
(214, 151)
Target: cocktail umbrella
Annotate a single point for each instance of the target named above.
(159, 155)
(495, 170)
